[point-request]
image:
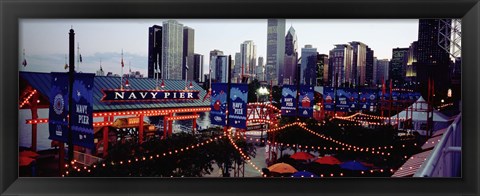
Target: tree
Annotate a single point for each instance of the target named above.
(252, 90)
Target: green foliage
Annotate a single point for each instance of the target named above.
(188, 163)
(252, 90)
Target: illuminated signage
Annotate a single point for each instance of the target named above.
(117, 95)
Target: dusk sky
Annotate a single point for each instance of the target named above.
(46, 40)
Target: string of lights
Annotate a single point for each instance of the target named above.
(245, 157)
(137, 159)
(25, 101)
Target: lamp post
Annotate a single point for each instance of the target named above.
(262, 91)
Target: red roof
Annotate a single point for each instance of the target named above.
(412, 164)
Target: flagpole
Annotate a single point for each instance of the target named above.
(78, 51)
(71, 73)
(121, 75)
(186, 72)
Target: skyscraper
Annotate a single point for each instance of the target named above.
(291, 57)
(172, 50)
(197, 68)
(259, 72)
(154, 50)
(411, 71)
(382, 70)
(341, 58)
(308, 67)
(248, 57)
(432, 61)
(220, 68)
(238, 66)
(369, 68)
(322, 69)
(356, 73)
(398, 65)
(188, 53)
(212, 60)
(275, 50)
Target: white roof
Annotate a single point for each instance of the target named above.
(419, 113)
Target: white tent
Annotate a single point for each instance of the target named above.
(419, 117)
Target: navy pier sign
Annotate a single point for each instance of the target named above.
(117, 95)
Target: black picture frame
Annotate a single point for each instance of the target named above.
(11, 11)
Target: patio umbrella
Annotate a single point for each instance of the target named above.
(304, 174)
(302, 156)
(328, 160)
(28, 153)
(282, 168)
(353, 165)
(367, 164)
(25, 161)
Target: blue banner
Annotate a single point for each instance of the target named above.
(368, 100)
(58, 111)
(218, 104)
(342, 100)
(82, 111)
(289, 100)
(237, 106)
(352, 100)
(328, 98)
(305, 101)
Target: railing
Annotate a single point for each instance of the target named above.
(85, 159)
(446, 158)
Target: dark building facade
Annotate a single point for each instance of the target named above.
(154, 49)
(398, 65)
(291, 57)
(322, 69)
(432, 61)
(198, 68)
(369, 67)
(188, 53)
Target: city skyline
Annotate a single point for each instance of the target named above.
(104, 39)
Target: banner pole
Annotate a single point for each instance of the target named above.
(71, 73)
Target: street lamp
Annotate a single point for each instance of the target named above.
(262, 91)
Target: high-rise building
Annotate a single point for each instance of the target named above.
(398, 65)
(188, 53)
(248, 57)
(172, 50)
(154, 50)
(308, 67)
(356, 73)
(375, 71)
(411, 71)
(291, 57)
(369, 68)
(275, 50)
(198, 68)
(213, 55)
(432, 61)
(238, 66)
(322, 69)
(341, 58)
(382, 70)
(259, 71)
(220, 68)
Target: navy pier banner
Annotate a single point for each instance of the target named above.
(305, 101)
(289, 100)
(58, 111)
(82, 111)
(328, 98)
(117, 95)
(237, 106)
(218, 104)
